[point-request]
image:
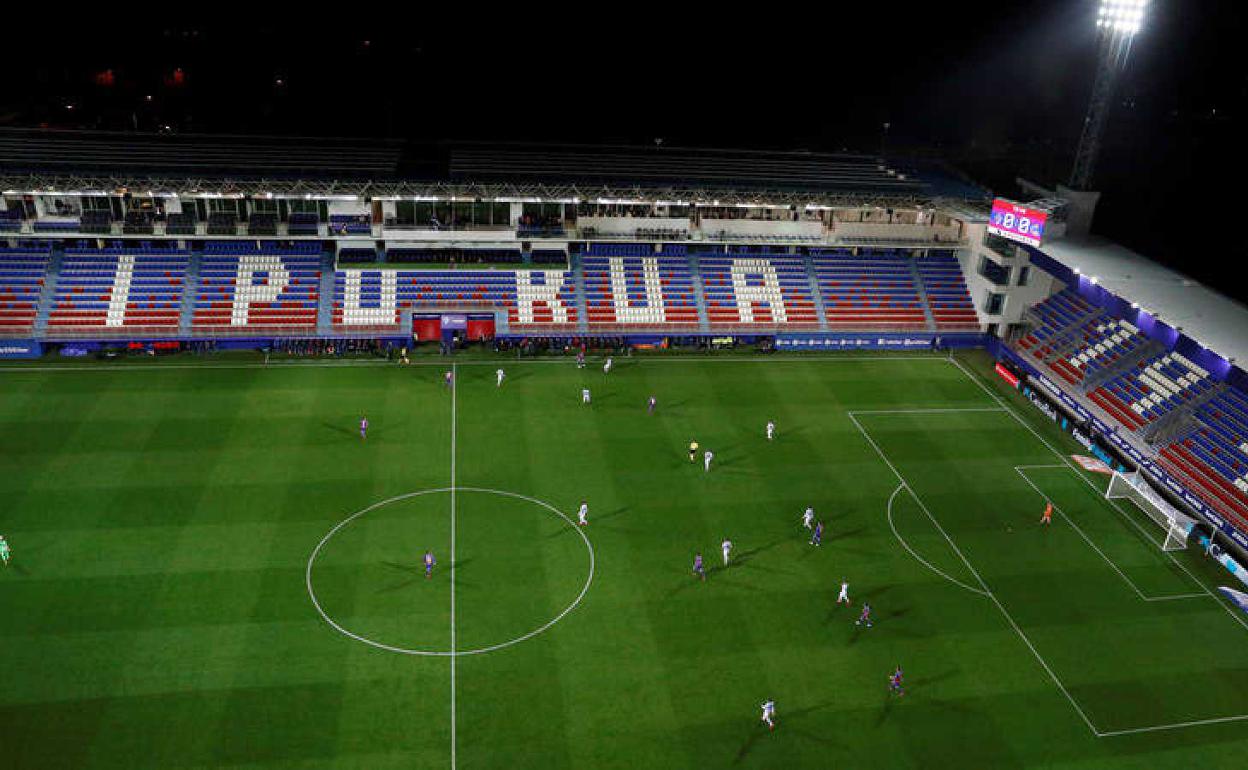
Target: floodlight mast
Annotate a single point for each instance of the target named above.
(1117, 23)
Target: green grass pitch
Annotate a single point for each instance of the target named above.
(158, 611)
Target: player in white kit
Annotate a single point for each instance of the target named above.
(808, 518)
(771, 430)
(706, 459)
(582, 516)
(843, 596)
(606, 368)
(584, 395)
(500, 374)
(769, 714)
(727, 548)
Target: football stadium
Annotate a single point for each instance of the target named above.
(327, 452)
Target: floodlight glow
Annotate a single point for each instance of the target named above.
(1121, 16)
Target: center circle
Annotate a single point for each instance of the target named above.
(509, 579)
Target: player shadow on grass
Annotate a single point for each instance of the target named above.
(746, 556)
(338, 428)
(841, 535)
(756, 733)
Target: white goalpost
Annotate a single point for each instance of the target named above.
(1133, 487)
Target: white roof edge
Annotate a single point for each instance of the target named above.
(1210, 318)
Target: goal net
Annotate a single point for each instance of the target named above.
(1133, 487)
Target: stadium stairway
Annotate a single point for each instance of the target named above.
(1127, 361)
(924, 300)
(1181, 421)
(582, 307)
(47, 295)
(189, 292)
(808, 264)
(325, 303)
(695, 272)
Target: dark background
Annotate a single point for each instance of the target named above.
(999, 89)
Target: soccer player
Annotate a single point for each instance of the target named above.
(1047, 517)
(584, 395)
(727, 548)
(652, 404)
(769, 714)
(606, 368)
(4, 550)
(580, 359)
(429, 563)
(582, 516)
(707, 456)
(363, 427)
(771, 430)
(693, 451)
(808, 518)
(864, 616)
(698, 569)
(447, 379)
(498, 376)
(843, 596)
(895, 685)
(816, 538)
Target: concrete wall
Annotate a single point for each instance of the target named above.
(1017, 298)
(711, 228)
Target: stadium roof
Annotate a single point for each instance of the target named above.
(68, 161)
(1208, 317)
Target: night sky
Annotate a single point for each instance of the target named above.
(998, 89)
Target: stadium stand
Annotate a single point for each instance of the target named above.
(758, 289)
(349, 224)
(1213, 457)
(373, 300)
(246, 287)
(303, 223)
(10, 220)
(181, 223)
(1151, 389)
(868, 291)
(118, 289)
(947, 295)
(222, 223)
(23, 272)
(632, 285)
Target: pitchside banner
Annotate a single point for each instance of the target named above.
(1110, 436)
(877, 341)
(20, 349)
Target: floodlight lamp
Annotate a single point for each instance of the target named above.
(1123, 17)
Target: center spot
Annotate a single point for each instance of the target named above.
(520, 565)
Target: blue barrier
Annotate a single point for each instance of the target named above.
(20, 349)
(891, 341)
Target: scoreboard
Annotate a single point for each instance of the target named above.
(1017, 222)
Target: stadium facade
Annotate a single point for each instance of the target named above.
(110, 241)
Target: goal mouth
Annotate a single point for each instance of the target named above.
(1176, 524)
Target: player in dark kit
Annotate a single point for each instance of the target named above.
(895, 685)
(698, 569)
(429, 563)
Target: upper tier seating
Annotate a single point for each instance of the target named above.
(103, 290)
(947, 295)
(374, 299)
(23, 273)
(303, 223)
(868, 292)
(257, 289)
(350, 224)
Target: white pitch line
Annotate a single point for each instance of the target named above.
(1173, 726)
(1113, 503)
(987, 591)
(453, 656)
(906, 545)
(1095, 547)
